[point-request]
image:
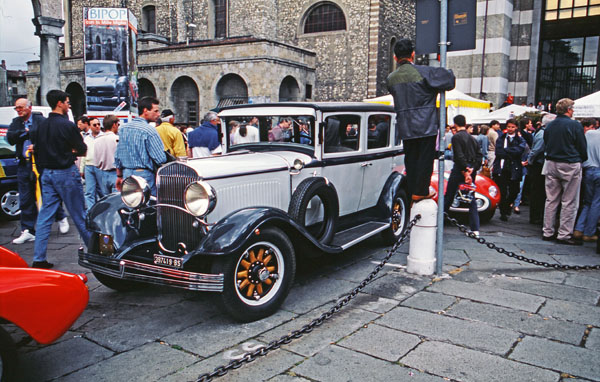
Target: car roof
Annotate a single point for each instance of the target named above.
(322, 106)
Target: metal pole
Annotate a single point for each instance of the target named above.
(442, 142)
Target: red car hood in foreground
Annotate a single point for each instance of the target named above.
(44, 303)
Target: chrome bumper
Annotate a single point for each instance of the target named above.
(153, 274)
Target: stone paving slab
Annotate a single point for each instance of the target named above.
(583, 280)
(574, 360)
(264, 368)
(593, 340)
(336, 364)
(528, 323)
(208, 338)
(333, 330)
(59, 359)
(397, 285)
(356, 272)
(288, 378)
(572, 311)
(373, 303)
(476, 335)
(302, 298)
(458, 363)
(551, 290)
(381, 342)
(144, 364)
(483, 293)
(433, 302)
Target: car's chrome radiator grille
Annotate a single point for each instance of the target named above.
(174, 225)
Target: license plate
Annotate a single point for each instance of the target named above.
(167, 261)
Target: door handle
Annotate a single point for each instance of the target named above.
(365, 164)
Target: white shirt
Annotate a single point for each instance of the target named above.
(251, 135)
(201, 152)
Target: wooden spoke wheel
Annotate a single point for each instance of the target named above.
(398, 218)
(258, 279)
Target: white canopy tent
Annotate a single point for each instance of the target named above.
(457, 102)
(588, 106)
(503, 114)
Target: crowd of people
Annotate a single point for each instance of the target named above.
(552, 165)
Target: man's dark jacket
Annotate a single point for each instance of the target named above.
(564, 141)
(57, 142)
(466, 151)
(512, 155)
(17, 135)
(415, 89)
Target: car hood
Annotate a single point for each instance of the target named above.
(100, 80)
(245, 163)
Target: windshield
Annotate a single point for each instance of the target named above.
(292, 130)
(101, 68)
(6, 150)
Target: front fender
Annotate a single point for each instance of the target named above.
(230, 233)
(42, 302)
(106, 217)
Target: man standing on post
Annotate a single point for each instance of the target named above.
(57, 143)
(170, 135)
(415, 88)
(566, 149)
(140, 151)
(19, 134)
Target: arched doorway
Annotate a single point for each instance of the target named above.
(289, 90)
(184, 98)
(231, 90)
(146, 88)
(77, 99)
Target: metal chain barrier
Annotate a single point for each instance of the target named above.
(262, 351)
(503, 251)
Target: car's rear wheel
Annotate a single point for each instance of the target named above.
(257, 280)
(315, 206)
(398, 218)
(8, 357)
(9, 204)
(116, 283)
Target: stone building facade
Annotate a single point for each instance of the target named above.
(195, 55)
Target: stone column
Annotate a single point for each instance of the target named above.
(49, 30)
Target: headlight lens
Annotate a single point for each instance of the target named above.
(200, 198)
(135, 191)
(493, 191)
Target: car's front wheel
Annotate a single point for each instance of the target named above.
(398, 219)
(258, 280)
(116, 283)
(10, 207)
(8, 357)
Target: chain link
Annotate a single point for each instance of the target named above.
(262, 351)
(503, 251)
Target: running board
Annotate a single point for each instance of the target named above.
(355, 235)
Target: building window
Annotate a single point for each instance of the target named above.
(220, 18)
(567, 9)
(568, 68)
(308, 93)
(149, 19)
(192, 113)
(324, 17)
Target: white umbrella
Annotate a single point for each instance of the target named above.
(588, 106)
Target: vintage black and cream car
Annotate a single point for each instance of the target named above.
(294, 179)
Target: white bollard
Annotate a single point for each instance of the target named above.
(421, 252)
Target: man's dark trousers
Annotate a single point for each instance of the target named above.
(537, 193)
(26, 185)
(419, 154)
(509, 189)
(455, 179)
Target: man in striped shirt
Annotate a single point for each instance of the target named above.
(140, 150)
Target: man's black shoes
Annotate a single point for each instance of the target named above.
(42, 264)
(569, 242)
(549, 238)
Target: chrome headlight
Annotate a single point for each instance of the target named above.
(493, 191)
(200, 198)
(135, 191)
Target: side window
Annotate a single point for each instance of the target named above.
(342, 133)
(378, 134)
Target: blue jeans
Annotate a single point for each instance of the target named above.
(517, 201)
(29, 211)
(93, 181)
(109, 182)
(57, 185)
(590, 213)
(146, 174)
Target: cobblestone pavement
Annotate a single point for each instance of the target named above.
(490, 318)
